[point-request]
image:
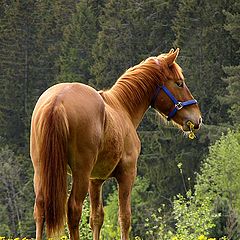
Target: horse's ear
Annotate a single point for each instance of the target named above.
(172, 56)
(171, 51)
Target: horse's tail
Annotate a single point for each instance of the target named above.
(53, 134)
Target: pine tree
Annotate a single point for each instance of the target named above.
(130, 32)
(233, 92)
(16, 47)
(50, 19)
(206, 46)
(30, 33)
(78, 39)
(111, 45)
(233, 72)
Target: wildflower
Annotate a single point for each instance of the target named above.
(179, 165)
(202, 237)
(64, 238)
(137, 238)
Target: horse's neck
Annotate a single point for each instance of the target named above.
(127, 99)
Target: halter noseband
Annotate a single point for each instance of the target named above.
(177, 104)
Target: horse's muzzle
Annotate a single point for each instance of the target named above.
(192, 125)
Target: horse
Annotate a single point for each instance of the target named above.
(93, 135)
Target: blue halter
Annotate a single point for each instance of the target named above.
(177, 104)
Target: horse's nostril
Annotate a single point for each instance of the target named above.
(197, 125)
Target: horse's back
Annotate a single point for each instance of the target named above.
(71, 94)
(84, 109)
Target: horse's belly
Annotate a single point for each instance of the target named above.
(106, 163)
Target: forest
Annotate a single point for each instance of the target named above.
(185, 189)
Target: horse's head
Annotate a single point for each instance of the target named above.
(172, 97)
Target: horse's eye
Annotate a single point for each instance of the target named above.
(179, 84)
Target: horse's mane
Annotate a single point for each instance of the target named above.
(139, 82)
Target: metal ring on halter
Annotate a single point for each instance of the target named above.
(178, 105)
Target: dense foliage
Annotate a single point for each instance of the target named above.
(213, 208)
(93, 42)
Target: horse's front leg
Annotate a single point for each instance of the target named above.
(125, 183)
(97, 214)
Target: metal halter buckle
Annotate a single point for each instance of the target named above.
(178, 105)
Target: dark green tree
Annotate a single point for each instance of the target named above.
(15, 51)
(112, 46)
(130, 31)
(30, 33)
(50, 19)
(232, 25)
(233, 92)
(206, 47)
(78, 39)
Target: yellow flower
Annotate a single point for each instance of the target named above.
(64, 238)
(202, 237)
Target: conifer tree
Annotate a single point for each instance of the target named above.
(78, 39)
(51, 17)
(30, 33)
(233, 72)
(112, 44)
(16, 48)
(130, 32)
(206, 46)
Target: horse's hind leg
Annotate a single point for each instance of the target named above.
(97, 214)
(81, 166)
(38, 208)
(75, 203)
(39, 217)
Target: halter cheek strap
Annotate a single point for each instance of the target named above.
(177, 104)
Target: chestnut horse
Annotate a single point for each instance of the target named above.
(94, 135)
